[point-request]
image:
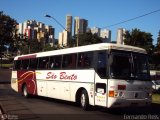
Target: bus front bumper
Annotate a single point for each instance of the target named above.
(115, 103)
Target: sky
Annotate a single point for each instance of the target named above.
(99, 13)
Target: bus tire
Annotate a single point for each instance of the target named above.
(25, 91)
(84, 100)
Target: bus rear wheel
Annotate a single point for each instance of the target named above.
(25, 91)
(84, 100)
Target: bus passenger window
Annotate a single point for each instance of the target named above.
(55, 62)
(85, 60)
(17, 64)
(101, 64)
(25, 64)
(43, 63)
(33, 63)
(69, 61)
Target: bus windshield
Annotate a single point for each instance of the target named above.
(141, 67)
(128, 65)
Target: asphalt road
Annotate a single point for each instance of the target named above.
(45, 108)
(16, 107)
(5, 76)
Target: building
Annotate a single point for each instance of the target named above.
(83, 26)
(103, 33)
(69, 24)
(63, 38)
(25, 26)
(36, 30)
(106, 35)
(80, 25)
(20, 28)
(49, 34)
(76, 25)
(120, 35)
(96, 30)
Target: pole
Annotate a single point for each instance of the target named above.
(56, 21)
(68, 33)
(77, 39)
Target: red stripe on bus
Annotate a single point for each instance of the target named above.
(26, 57)
(28, 78)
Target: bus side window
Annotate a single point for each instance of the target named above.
(101, 64)
(69, 61)
(73, 61)
(85, 60)
(17, 64)
(55, 62)
(33, 63)
(25, 64)
(43, 63)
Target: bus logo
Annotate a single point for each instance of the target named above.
(61, 76)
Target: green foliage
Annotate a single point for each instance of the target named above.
(156, 98)
(144, 40)
(19, 43)
(48, 47)
(6, 65)
(87, 39)
(156, 54)
(33, 46)
(25, 45)
(140, 39)
(7, 28)
(158, 42)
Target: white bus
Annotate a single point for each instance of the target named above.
(105, 74)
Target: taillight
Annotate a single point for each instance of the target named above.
(121, 87)
(111, 93)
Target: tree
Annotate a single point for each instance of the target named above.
(19, 43)
(158, 43)
(156, 54)
(34, 45)
(48, 47)
(87, 39)
(27, 46)
(140, 39)
(7, 28)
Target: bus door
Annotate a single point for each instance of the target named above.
(100, 79)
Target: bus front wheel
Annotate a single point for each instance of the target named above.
(84, 100)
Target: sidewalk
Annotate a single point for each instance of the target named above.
(11, 107)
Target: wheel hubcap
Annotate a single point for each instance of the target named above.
(25, 91)
(83, 100)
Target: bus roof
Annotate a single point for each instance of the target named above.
(93, 47)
